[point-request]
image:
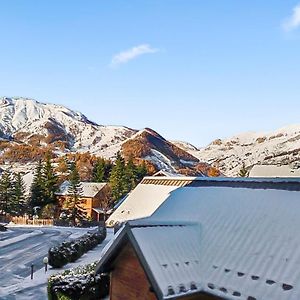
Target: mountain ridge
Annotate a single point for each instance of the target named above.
(277, 147)
(25, 121)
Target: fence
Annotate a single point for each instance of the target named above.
(48, 222)
(27, 221)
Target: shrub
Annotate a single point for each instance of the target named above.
(79, 283)
(70, 251)
(2, 227)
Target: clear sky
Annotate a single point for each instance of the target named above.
(192, 70)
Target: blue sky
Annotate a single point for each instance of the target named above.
(192, 70)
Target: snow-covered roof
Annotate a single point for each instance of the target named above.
(274, 171)
(147, 197)
(89, 189)
(101, 211)
(243, 233)
(165, 173)
(141, 202)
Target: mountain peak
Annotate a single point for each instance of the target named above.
(24, 120)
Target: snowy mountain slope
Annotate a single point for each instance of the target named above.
(27, 120)
(280, 147)
(185, 146)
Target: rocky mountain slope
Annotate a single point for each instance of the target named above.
(162, 154)
(29, 121)
(27, 126)
(280, 147)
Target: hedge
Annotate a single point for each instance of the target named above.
(2, 227)
(70, 251)
(79, 283)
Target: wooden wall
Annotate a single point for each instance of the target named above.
(128, 279)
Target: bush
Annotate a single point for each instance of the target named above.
(79, 283)
(2, 227)
(70, 251)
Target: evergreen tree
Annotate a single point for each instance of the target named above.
(99, 171)
(131, 174)
(243, 171)
(18, 202)
(141, 171)
(118, 180)
(74, 203)
(5, 192)
(37, 190)
(50, 181)
(108, 168)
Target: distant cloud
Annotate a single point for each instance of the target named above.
(130, 54)
(293, 22)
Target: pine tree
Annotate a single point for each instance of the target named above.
(18, 199)
(117, 180)
(37, 190)
(108, 168)
(141, 171)
(74, 203)
(5, 192)
(243, 171)
(131, 174)
(50, 181)
(99, 171)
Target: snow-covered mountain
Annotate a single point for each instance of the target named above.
(152, 147)
(280, 147)
(26, 120)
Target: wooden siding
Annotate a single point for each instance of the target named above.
(88, 203)
(128, 279)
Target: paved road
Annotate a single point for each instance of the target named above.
(16, 258)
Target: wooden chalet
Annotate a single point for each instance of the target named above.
(93, 199)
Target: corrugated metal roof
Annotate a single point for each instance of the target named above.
(147, 197)
(247, 240)
(175, 276)
(250, 239)
(89, 189)
(140, 203)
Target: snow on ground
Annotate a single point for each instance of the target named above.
(30, 245)
(19, 238)
(161, 161)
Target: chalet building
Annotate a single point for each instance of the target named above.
(94, 198)
(211, 238)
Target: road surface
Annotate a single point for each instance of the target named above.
(19, 249)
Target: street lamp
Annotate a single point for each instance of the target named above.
(31, 271)
(45, 261)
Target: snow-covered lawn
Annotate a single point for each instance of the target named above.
(22, 246)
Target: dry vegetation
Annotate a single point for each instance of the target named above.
(23, 153)
(140, 147)
(30, 148)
